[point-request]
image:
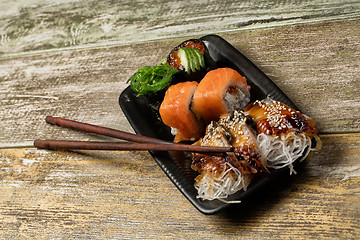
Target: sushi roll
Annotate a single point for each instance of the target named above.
(221, 176)
(176, 112)
(192, 58)
(243, 139)
(180, 55)
(284, 135)
(221, 91)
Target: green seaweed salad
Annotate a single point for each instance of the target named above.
(151, 79)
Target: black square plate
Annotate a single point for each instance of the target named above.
(176, 165)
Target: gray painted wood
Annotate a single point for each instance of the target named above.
(319, 74)
(34, 25)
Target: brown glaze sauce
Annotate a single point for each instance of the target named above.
(277, 119)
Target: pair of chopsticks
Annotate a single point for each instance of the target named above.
(137, 142)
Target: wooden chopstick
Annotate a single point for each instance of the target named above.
(125, 146)
(140, 143)
(90, 128)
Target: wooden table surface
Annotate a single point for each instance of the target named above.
(72, 59)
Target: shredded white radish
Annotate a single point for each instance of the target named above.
(230, 181)
(283, 151)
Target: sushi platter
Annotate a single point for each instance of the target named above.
(142, 111)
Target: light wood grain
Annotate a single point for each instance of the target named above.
(320, 74)
(87, 194)
(34, 25)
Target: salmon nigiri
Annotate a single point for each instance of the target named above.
(175, 111)
(221, 91)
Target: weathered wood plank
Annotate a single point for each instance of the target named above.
(316, 65)
(53, 194)
(38, 25)
(320, 74)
